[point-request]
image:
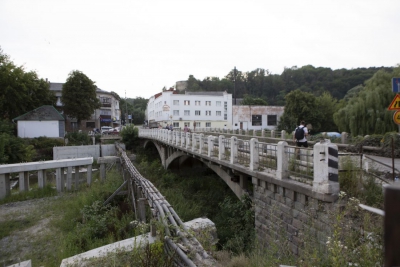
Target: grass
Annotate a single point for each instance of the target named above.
(33, 193)
(76, 222)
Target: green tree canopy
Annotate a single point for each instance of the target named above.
(21, 91)
(300, 106)
(366, 111)
(79, 96)
(248, 100)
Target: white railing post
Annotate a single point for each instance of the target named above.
(234, 150)
(210, 145)
(283, 134)
(282, 161)
(326, 168)
(201, 141)
(187, 142)
(254, 162)
(4, 185)
(221, 147)
(194, 142)
(272, 133)
(178, 138)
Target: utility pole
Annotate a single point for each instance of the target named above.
(234, 84)
(126, 109)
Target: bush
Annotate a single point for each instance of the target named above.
(130, 136)
(78, 139)
(44, 147)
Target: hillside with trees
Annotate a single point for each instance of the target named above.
(273, 88)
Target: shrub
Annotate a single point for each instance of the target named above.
(78, 139)
(130, 136)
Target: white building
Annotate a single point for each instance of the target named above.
(205, 109)
(42, 121)
(256, 117)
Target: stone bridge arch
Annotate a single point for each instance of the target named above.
(236, 184)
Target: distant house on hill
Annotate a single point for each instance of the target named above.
(43, 121)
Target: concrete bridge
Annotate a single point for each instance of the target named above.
(286, 183)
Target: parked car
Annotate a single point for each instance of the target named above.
(114, 131)
(105, 129)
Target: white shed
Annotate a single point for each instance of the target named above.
(43, 121)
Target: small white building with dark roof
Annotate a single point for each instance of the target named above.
(43, 121)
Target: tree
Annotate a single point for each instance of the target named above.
(21, 91)
(79, 96)
(248, 100)
(366, 111)
(327, 106)
(300, 106)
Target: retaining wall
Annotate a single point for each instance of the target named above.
(95, 151)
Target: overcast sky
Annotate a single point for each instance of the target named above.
(138, 47)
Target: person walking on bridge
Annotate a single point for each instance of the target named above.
(300, 135)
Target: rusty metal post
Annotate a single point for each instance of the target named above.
(392, 225)
(393, 174)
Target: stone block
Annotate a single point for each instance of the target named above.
(280, 198)
(289, 202)
(290, 194)
(294, 249)
(297, 224)
(302, 198)
(299, 206)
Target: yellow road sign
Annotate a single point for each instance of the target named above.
(395, 105)
(396, 117)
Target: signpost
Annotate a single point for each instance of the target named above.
(396, 117)
(395, 105)
(396, 85)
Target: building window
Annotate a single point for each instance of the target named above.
(218, 113)
(197, 103)
(256, 120)
(176, 102)
(208, 103)
(218, 103)
(186, 113)
(186, 102)
(225, 116)
(198, 124)
(208, 124)
(105, 101)
(225, 106)
(272, 120)
(176, 124)
(208, 112)
(176, 112)
(197, 112)
(90, 124)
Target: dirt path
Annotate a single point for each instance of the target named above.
(29, 224)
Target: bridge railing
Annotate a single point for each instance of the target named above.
(317, 166)
(66, 170)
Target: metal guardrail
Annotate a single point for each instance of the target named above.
(174, 228)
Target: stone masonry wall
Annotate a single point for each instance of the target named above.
(283, 214)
